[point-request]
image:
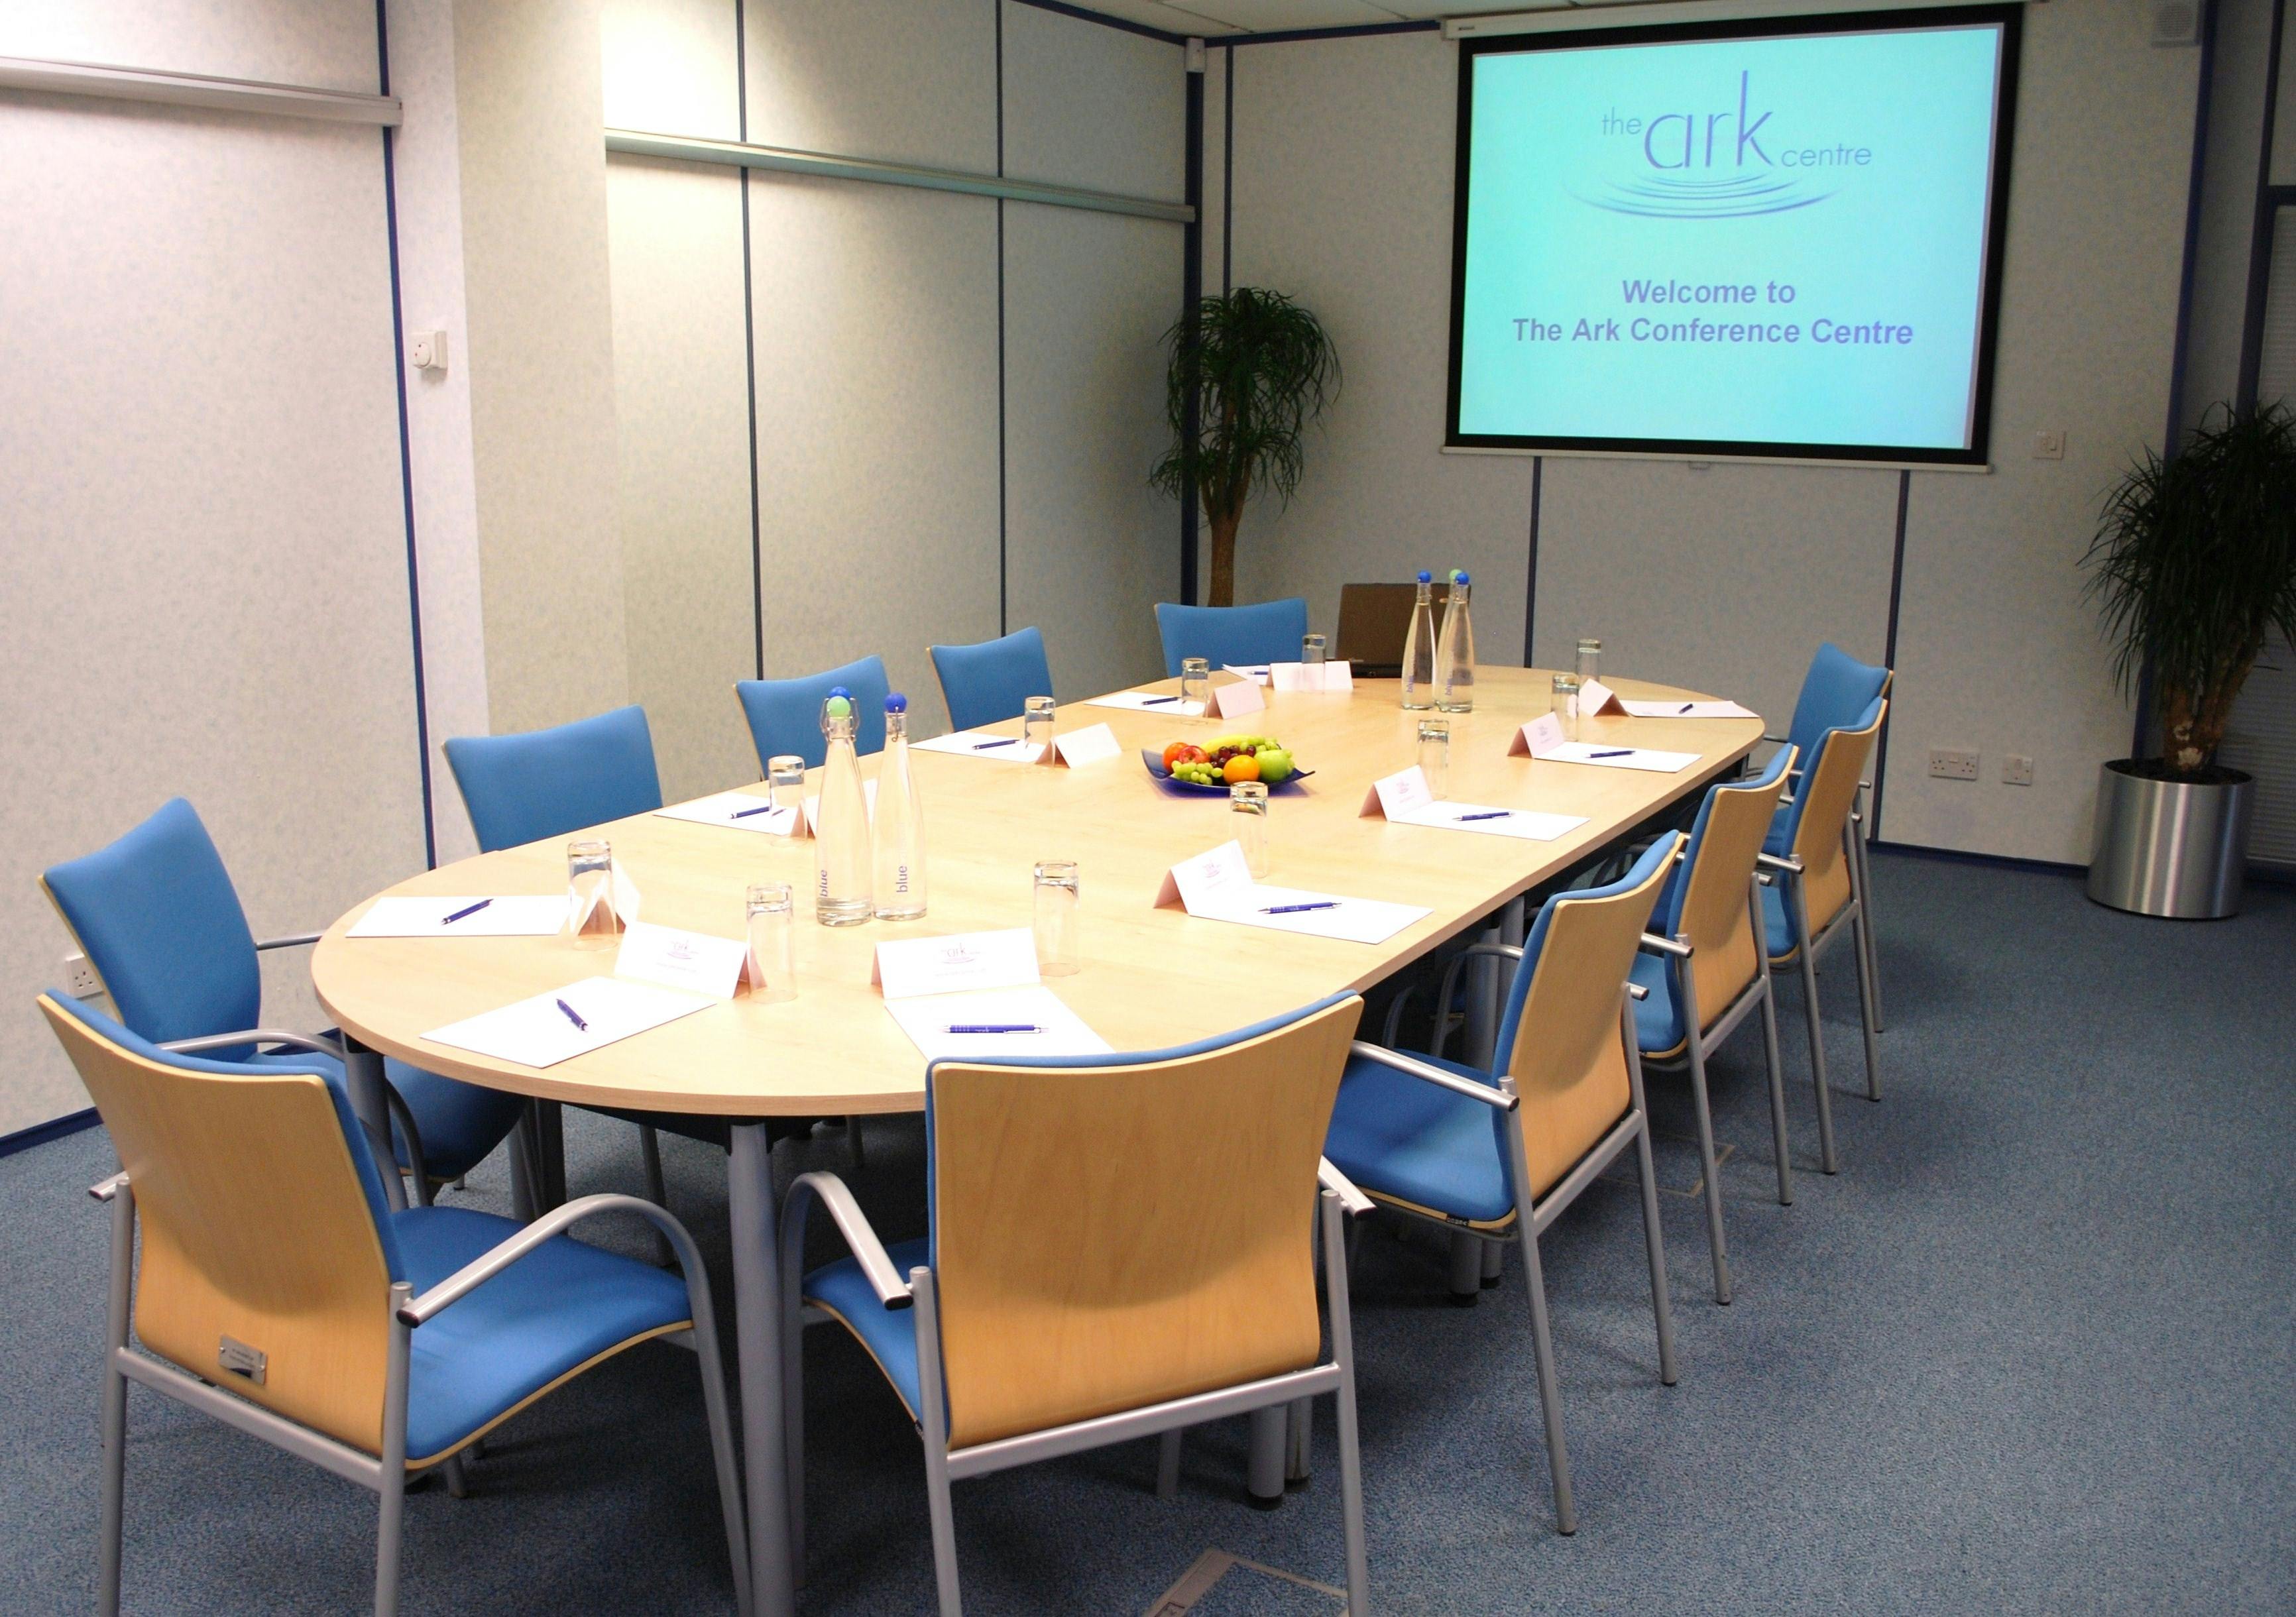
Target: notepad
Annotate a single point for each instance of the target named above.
(980, 744)
(736, 811)
(1686, 710)
(1605, 757)
(1147, 701)
(927, 1021)
(1218, 886)
(521, 916)
(539, 1032)
(1403, 798)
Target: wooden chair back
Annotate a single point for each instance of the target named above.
(257, 1229)
(1715, 918)
(1110, 1237)
(1829, 786)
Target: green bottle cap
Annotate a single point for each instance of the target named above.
(840, 707)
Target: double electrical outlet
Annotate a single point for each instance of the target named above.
(1947, 764)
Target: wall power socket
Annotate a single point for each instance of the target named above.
(79, 977)
(1953, 765)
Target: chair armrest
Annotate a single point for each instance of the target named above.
(1772, 737)
(1352, 1202)
(1497, 1099)
(488, 1264)
(1511, 952)
(853, 1224)
(318, 1044)
(1665, 945)
(293, 940)
(1779, 862)
(1636, 990)
(110, 1187)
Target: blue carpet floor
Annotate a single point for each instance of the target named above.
(2032, 1350)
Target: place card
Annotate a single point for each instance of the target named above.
(1533, 739)
(1147, 701)
(695, 962)
(997, 1025)
(1687, 710)
(739, 812)
(1327, 678)
(955, 962)
(1393, 797)
(1258, 674)
(980, 744)
(1237, 698)
(1093, 743)
(462, 915)
(1218, 886)
(1595, 698)
(561, 1023)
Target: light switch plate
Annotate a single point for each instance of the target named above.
(2016, 769)
(2049, 446)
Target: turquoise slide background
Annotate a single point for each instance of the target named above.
(1567, 201)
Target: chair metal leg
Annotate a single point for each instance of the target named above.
(754, 1212)
(1776, 1069)
(1167, 1463)
(935, 1432)
(657, 1187)
(1299, 1442)
(1542, 1342)
(1653, 1235)
(1825, 1158)
(1466, 1268)
(525, 1179)
(115, 1402)
(1869, 1012)
(1343, 1352)
(1709, 1170)
(1264, 1464)
(393, 1479)
(1494, 1262)
(1861, 874)
(853, 1142)
(458, 1481)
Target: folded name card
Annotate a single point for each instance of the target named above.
(1533, 739)
(695, 962)
(1147, 701)
(1597, 699)
(1258, 674)
(1688, 710)
(1237, 698)
(959, 962)
(1395, 796)
(976, 744)
(1093, 743)
(1325, 677)
(737, 811)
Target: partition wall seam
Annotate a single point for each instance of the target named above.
(2260, 229)
(749, 344)
(1530, 567)
(1122, 25)
(1889, 641)
(1004, 596)
(1228, 177)
(406, 445)
(1191, 293)
(2197, 179)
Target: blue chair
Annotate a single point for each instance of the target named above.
(1245, 636)
(278, 1293)
(1500, 1155)
(160, 923)
(1704, 949)
(786, 714)
(1814, 892)
(1114, 1253)
(1837, 689)
(521, 788)
(993, 680)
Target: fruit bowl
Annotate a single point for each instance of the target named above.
(1217, 786)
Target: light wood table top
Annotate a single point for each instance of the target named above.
(1151, 977)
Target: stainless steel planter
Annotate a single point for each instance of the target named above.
(2167, 848)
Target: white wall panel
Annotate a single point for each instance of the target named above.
(205, 542)
(877, 377)
(1343, 200)
(328, 44)
(1089, 105)
(668, 67)
(1090, 546)
(911, 81)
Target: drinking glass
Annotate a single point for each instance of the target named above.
(1314, 649)
(590, 918)
(787, 774)
(1195, 679)
(1566, 704)
(1248, 802)
(1435, 755)
(1037, 721)
(773, 942)
(1590, 652)
(1057, 953)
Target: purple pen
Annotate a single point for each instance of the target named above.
(466, 910)
(1616, 752)
(1153, 701)
(572, 1016)
(763, 808)
(1002, 742)
(1486, 814)
(1321, 903)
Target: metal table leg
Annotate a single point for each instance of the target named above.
(758, 1356)
(362, 1077)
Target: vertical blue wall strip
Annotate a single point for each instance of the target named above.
(1228, 177)
(406, 449)
(1889, 644)
(1191, 293)
(1530, 565)
(750, 341)
(1003, 589)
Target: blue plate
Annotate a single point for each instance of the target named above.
(1164, 778)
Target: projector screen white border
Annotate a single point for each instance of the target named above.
(1974, 456)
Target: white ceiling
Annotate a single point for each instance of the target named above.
(1212, 17)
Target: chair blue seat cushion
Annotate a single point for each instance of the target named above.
(1777, 926)
(460, 1123)
(550, 1314)
(1778, 840)
(1657, 1019)
(1408, 1140)
(888, 1334)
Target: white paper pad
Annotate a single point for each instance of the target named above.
(536, 1032)
(1687, 710)
(1147, 701)
(1527, 824)
(1218, 886)
(927, 1021)
(954, 962)
(980, 744)
(1258, 674)
(1619, 757)
(521, 917)
(738, 811)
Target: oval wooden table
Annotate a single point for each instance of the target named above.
(1150, 977)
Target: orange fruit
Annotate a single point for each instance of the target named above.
(1243, 766)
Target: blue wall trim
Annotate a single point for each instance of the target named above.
(1360, 31)
(1121, 24)
(55, 1128)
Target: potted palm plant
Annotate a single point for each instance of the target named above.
(1250, 370)
(2194, 569)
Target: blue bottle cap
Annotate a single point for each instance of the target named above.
(897, 703)
(839, 690)
(1426, 577)
(1459, 577)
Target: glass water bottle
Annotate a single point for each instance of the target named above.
(840, 837)
(899, 823)
(1455, 658)
(1419, 649)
